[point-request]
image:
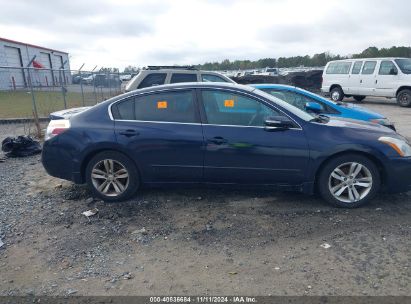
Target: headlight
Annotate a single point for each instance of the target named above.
(400, 146)
(381, 121)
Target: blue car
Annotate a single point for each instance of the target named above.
(311, 102)
(227, 134)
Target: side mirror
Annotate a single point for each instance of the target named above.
(278, 123)
(393, 71)
(314, 107)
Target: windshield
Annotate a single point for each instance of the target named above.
(296, 111)
(405, 65)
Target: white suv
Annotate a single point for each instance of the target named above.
(384, 77)
(157, 75)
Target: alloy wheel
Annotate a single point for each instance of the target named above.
(110, 177)
(335, 95)
(350, 182)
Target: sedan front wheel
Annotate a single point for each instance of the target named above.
(349, 181)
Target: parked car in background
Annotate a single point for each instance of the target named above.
(158, 75)
(314, 103)
(269, 72)
(221, 133)
(359, 78)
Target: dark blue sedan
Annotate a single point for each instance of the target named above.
(228, 134)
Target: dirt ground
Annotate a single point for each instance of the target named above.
(198, 241)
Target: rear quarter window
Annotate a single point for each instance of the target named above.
(212, 78)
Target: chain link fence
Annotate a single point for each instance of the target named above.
(36, 92)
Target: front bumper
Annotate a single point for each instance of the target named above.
(398, 175)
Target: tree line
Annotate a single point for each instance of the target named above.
(317, 60)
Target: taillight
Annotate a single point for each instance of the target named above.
(57, 127)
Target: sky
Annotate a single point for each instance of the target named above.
(118, 33)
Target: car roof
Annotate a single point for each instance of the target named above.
(366, 59)
(187, 85)
(273, 86)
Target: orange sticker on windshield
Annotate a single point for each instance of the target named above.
(229, 103)
(161, 104)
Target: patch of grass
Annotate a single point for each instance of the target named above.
(18, 104)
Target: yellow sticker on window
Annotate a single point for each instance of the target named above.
(229, 103)
(162, 104)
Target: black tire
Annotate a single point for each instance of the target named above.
(119, 161)
(404, 98)
(324, 181)
(336, 94)
(359, 97)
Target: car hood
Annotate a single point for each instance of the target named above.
(66, 114)
(362, 110)
(357, 124)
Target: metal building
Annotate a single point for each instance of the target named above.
(49, 68)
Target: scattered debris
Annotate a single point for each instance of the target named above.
(277, 268)
(71, 291)
(378, 209)
(233, 272)
(140, 231)
(89, 200)
(128, 276)
(20, 147)
(2, 160)
(325, 245)
(58, 186)
(90, 212)
(209, 227)
(1, 243)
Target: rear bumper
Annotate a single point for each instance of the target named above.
(59, 163)
(398, 175)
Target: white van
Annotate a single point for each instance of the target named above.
(384, 77)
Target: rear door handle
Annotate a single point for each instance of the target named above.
(129, 133)
(218, 140)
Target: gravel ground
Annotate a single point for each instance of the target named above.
(197, 241)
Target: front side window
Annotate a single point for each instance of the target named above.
(405, 65)
(229, 108)
(387, 68)
(299, 100)
(338, 68)
(153, 80)
(369, 67)
(212, 78)
(163, 107)
(179, 77)
(356, 69)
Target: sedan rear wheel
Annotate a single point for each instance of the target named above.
(349, 181)
(112, 176)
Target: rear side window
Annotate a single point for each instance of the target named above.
(387, 68)
(357, 67)
(179, 77)
(168, 107)
(212, 78)
(338, 68)
(152, 80)
(164, 107)
(369, 67)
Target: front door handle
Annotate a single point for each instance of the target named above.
(376, 81)
(361, 81)
(218, 140)
(129, 133)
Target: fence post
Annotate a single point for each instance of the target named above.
(63, 90)
(33, 100)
